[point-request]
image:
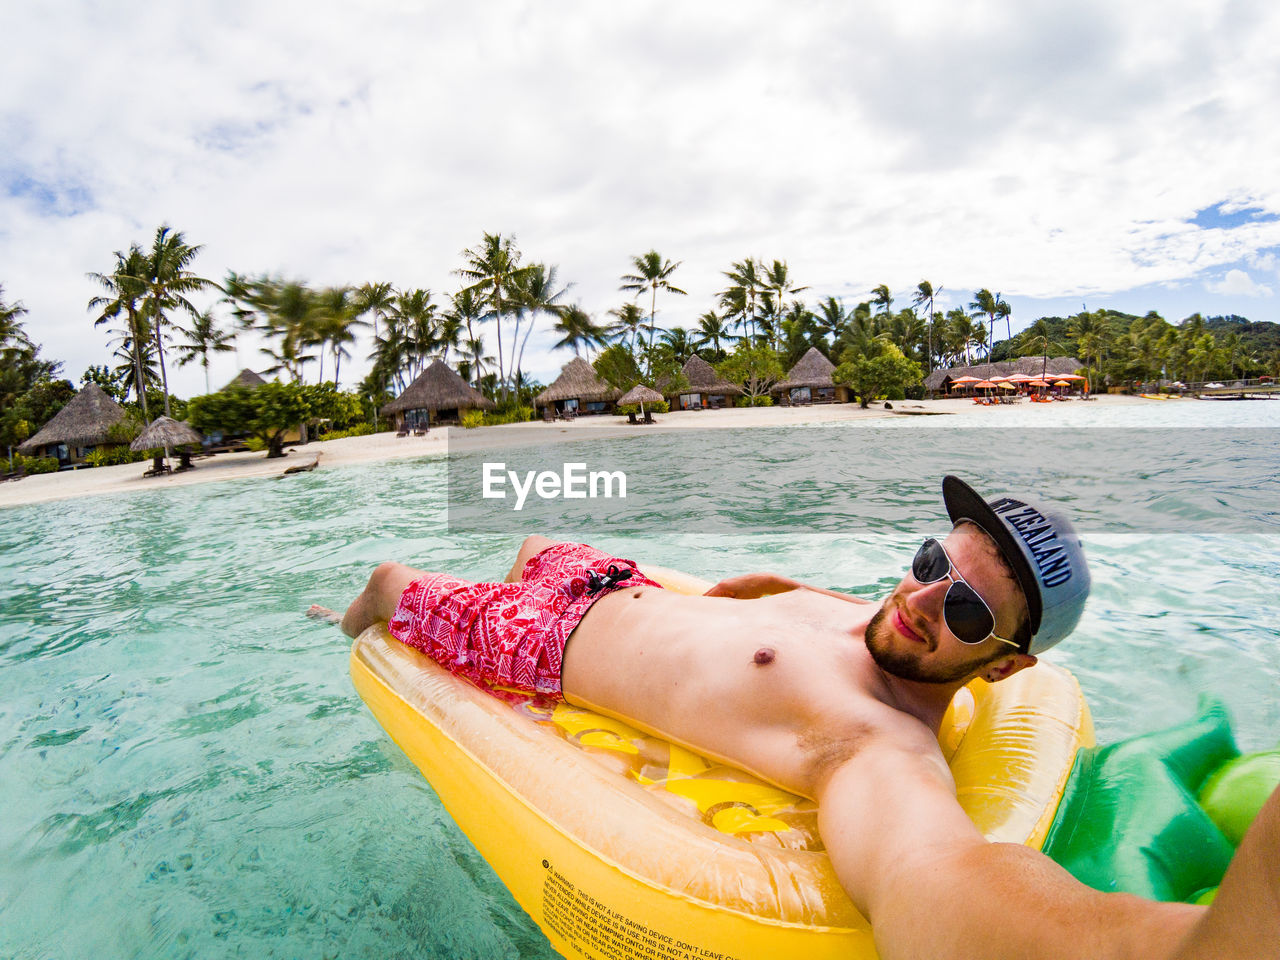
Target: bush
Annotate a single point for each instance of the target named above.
(33, 465)
(255, 444)
(660, 407)
(495, 418)
(472, 419)
(761, 401)
(111, 456)
(359, 430)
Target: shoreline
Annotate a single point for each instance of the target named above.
(127, 478)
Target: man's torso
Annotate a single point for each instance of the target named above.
(783, 685)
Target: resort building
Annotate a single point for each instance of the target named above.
(246, 378)
(78, 429)
(809, 381)
(706, 390)
(439, 395)
(578, 390)
(939, 383)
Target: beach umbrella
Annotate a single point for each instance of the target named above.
(165, 432)
(640, 394)
(965, 379)
(1008, 386)
(983, 384)
(1037, 383)
(1020, 377)
(1061, 383)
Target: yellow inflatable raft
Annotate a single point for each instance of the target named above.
(619, 845)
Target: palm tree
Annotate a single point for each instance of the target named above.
(777, 280)
(652, 274)
(712, 331)
(628, 322)
(577, 329)
(204, 337)
(831, 318)
(882, 298)
(124, 295)
(959, 333)
(739, 299)
(449, 335)
(1003, 309)
(493, 267)
(467, 307)
(374, 299)
(983, 304)
(925, 293)
(680, 344)
(537, 294)
(168, 281)
(415, 320)
(336, 314)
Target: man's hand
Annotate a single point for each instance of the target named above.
(750, 586)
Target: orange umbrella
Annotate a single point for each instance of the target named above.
(1019, 376)
(1068, 376)
(966, 380)
(1037, 383)
(983, 384)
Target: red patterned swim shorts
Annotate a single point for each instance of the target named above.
(510, 634)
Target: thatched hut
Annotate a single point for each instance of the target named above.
(439, 395)
(246, 378)
(809, 381)
(939, 382)
(707, 389)
(578, 389)
(78, 429)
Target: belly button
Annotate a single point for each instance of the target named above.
(764, 656)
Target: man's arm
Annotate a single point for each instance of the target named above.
(751, 586)
(932, 886)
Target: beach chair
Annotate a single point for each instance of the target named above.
(548, 414)
(403, 432)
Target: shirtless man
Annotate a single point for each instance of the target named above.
(840, 699)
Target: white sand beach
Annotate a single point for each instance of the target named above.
(386, 446)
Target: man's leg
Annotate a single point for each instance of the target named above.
(532, 546)
(378, 601)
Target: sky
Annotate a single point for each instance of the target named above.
(1059, 153)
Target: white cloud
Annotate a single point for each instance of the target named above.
(1043, 149)
(1237, 283)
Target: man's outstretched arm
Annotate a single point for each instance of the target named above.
(932, 886)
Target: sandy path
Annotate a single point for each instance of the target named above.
(387, 446)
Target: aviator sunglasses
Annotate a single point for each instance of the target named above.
(964, 611)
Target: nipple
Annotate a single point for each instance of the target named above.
(764, 656)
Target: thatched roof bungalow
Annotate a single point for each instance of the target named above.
(246, 378)
(438, 395)
(578, 389)
(707, 389)
(78, 429)
(810, 381)
(939, 382)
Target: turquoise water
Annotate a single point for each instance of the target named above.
(186, 771)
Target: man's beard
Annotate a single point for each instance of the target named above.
(901, 663)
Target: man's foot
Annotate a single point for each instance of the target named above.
(317, 612)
